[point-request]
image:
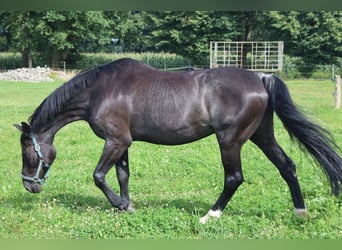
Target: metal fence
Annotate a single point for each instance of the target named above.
(264, 56)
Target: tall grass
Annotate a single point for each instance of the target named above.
(9, 61)
(171, 187)
(157, 60)
(88, 60)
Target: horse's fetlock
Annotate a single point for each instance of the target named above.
(126, 206)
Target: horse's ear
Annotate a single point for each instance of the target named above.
(24, 128)
(18, 127)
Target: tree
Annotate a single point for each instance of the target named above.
(64, 34)
(246, 22)
(316, 37)
(20, 31)
(55, 35)
(188, 33)
(134, 31)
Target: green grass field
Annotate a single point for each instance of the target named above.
(171, 187)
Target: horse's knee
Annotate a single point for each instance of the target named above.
(99, 179)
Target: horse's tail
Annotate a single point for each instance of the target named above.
(317, 140)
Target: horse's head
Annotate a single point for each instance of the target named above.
(37, 159)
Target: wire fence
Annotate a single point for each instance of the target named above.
(293, 68)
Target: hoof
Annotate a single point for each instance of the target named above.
(301, 212)
(130, 208)
(217, 214)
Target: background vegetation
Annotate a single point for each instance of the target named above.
(171, 187)
(166, 61)
(54, 37)
(292, 68)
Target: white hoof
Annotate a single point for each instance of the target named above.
(301, 212)
(130, 208)
(217, 214)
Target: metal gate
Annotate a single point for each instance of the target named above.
(266, 56)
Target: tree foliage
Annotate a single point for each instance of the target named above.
(316, 37)
(19, 29)
(189, 33)
(62, 34)
(57, 36)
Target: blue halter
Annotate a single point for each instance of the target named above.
(42, 163)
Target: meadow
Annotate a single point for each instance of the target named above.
(171, 187)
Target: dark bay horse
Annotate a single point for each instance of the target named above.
(126, 101)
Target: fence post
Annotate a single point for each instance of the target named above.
(338, 92)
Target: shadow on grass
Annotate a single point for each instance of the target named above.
(190, 206)
(79, 203)
(83, 203)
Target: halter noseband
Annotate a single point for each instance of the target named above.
(42, 163)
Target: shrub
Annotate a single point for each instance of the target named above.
(168, 61)
(10, 60)
(157, 60)
(294, 68)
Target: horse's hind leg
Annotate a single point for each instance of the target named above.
(122, 173)
(265, 140)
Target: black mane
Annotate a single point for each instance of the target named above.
(58, 99)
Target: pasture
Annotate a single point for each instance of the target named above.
(171, 187)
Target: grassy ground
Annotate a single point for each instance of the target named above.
(171, 187)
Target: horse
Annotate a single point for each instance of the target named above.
(126, 100)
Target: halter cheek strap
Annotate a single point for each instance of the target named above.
(42, 163)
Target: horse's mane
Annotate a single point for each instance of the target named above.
(58, 99)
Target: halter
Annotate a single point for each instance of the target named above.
(42, 163)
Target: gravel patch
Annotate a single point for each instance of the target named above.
(38, 74)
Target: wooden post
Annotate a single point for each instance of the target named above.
(338, 92)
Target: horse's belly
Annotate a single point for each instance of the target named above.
(169, 136)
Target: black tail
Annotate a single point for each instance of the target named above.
(317, 140)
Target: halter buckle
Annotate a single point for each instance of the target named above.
(37, 147)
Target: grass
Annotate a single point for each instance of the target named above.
(171, 187)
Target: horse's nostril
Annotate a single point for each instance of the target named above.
(32, 187)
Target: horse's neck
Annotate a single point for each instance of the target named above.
(47, 133)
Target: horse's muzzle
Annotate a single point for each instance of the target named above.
(32, 187)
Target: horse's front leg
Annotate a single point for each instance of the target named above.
(111, 155)
(233, 179)
(122, 173)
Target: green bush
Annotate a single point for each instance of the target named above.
(157, 60)
(10, 60)
(168, 61)
(294, 68)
